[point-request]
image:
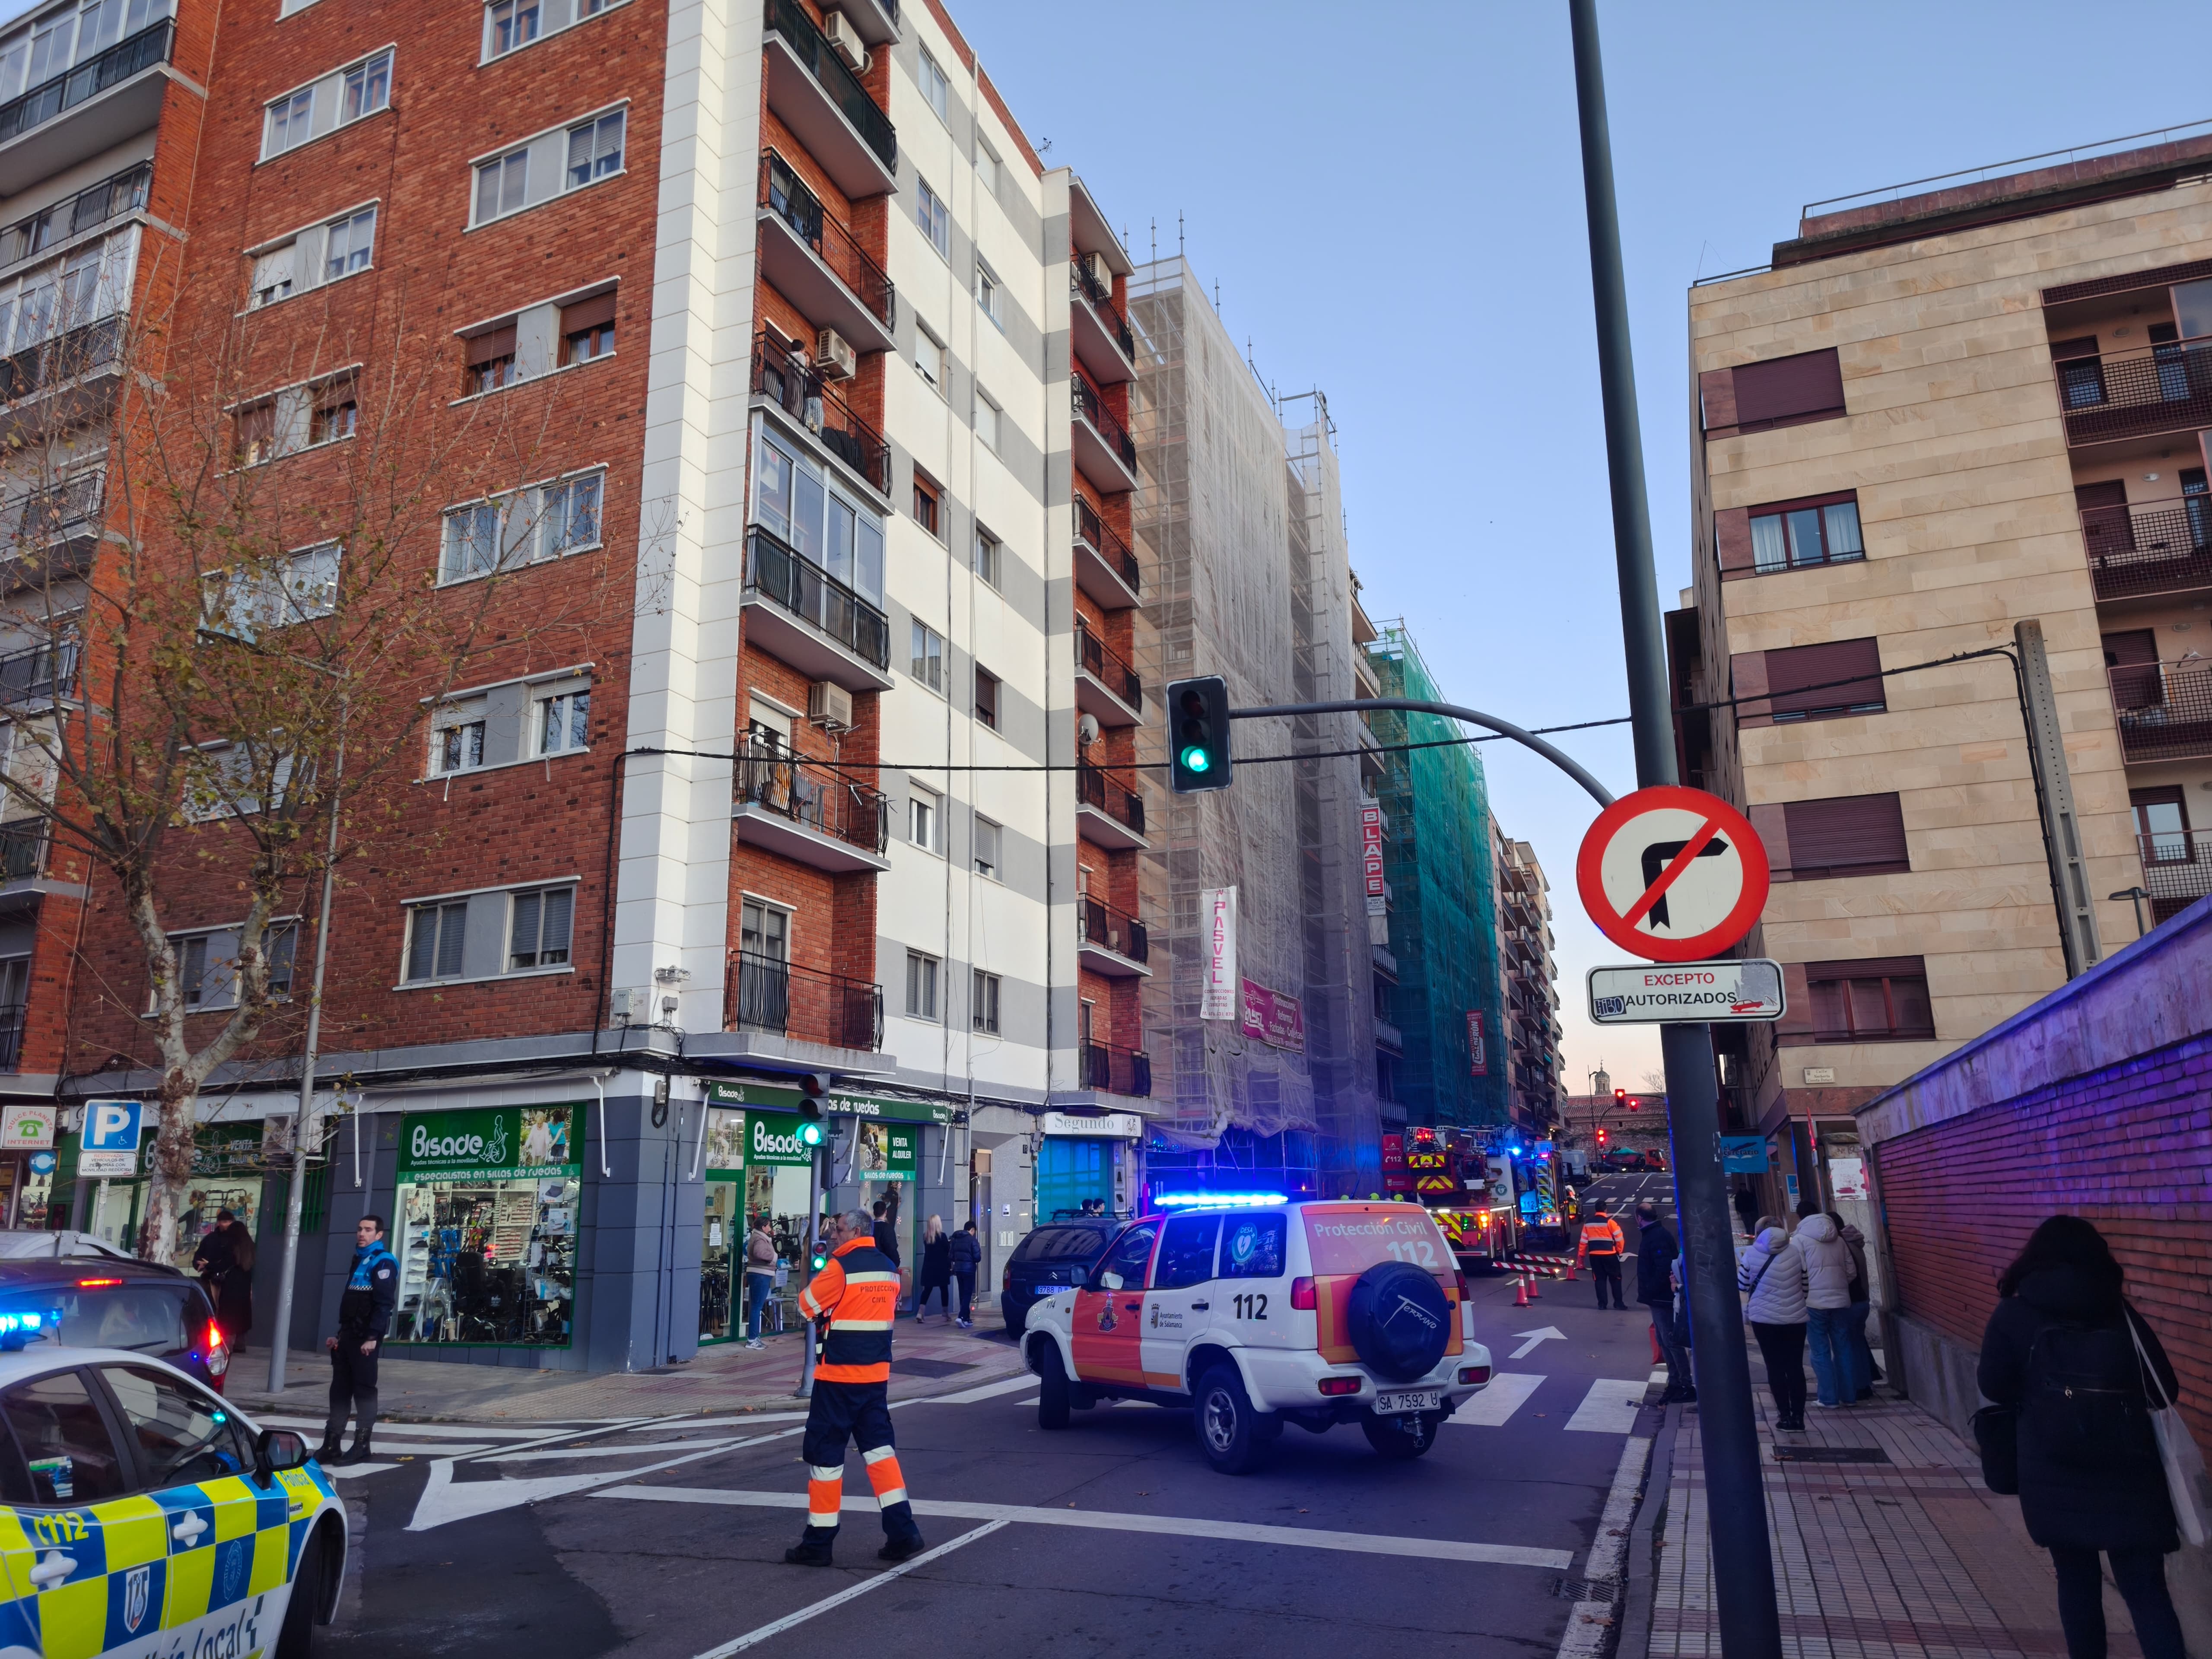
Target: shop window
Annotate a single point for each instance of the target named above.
(487, 1206)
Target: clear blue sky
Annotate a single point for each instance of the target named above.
(1390, 198)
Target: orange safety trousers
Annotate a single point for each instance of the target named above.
(859, 1411)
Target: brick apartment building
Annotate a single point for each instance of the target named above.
(1942, 410)
(826, 378)
(1534, 1065)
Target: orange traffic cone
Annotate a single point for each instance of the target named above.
(1534, 1280)
(1571, 1270)
(1521, 1292)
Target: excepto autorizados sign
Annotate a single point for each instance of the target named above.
(1715, 992)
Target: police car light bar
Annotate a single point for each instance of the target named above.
(1223, 1200)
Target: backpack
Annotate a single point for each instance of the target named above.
(2084, 1407)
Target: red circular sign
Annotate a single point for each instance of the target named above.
(1672, 874)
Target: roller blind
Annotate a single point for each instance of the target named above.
(1780, 390)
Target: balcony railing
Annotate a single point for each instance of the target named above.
(2162, 389)
(789, 19)
(1085, 286)
(788, 381)
(1092, 656)
(816, 796)
(1099, 923)
(1094, 788)
(39, 674)
(23, 849)
(73, 355)
(2164, 710)
(786, 195)
(11, 1035)
(1117, 1071)
(2176, 871)
(811, 594)
(55, 510)
(110, 198)
(94, 75)
(1093, 408)
(2157, 547)
(765, 993)
(1094, 530)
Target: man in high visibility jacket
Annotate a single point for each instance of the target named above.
(1602, 1246)
(853, 1302)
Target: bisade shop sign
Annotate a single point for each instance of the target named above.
(502, 1144)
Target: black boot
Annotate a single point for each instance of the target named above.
(902, 1547)
(359, 1451)
(812, 1549)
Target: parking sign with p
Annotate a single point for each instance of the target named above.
(112, 1129)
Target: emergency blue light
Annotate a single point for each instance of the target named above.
(1223, 1200)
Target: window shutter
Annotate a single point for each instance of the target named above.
(608, 143)
(2106, 526)
(2132, 659)
(1803, 679)
(1805, 387)
(1772, 825)
(553, 938)
(2066, 350)
(1796, 1022)
(588, 314)
(451, 922)
(1867, 968)
(273, 269)
(1747, 677)
(1846, 835)
(523, 943)
(1717, 396)
(1732, 541)
(491, 346)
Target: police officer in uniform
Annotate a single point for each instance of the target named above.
(853, 1302)
(1602, 1246)
(364, 1315)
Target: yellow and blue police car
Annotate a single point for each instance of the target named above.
(144, 1517)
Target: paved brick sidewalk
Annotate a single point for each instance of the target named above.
(929, 1360)
(1908, 1557)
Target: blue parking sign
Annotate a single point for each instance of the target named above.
(110, 1146)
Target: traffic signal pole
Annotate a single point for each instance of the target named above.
(1735, 1495)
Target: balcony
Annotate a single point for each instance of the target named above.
(23, 849)
(825, 106)
(812, 815)
(1102, 341)
(52, 531)
(2164, 710)
(1388, 1035)
(91, 108)
(1105, 567)
(39, 674)
(781, 998)
(813, 261)
(77, 363)
(1106, 814)
(1103, 449)
(1109, 941)
(2158, 548)
(1114, 1071)
(12, 1016)
(2133, 394)
(784, 380)
(90, 209)
(1105, 685)
(876, 22)
(2176, 871)
(802, 615)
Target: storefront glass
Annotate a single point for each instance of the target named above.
(486, 1234)
(1074, 1176)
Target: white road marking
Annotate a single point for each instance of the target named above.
(1588, 1622)
(1549, 1334)
(1508, 1392)
(981, 1391)
(744, 1420)
(1610, 1406)
(1242, 1532)
(443, 1501)
(1153, 1405)
(347, 1471)
(738, 1644)
(552, 1453)
(421, 1431)
(425, 1448)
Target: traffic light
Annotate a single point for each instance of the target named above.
(1620, 1099)
(810, 1091)
(1600, 1136)
(1198, 713)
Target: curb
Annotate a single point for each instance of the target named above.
(1641, 1598)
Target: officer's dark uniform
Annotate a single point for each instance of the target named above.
(856, 1293)
(364, 1315)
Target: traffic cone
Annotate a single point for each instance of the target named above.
(1534, 1280)
(1571, 1270)
(1521, 1291)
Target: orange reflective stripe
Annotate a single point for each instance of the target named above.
(824, 1291)
(885, 1477)
(879, 1372)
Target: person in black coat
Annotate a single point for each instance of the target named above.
(2063, 1291)
(966, 1253)
(224, 1262)
(936, 1269)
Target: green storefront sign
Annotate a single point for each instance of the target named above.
(841, 1104)
(501, 1143)
(218, 1149)
(772, 1139)
(885, 1151)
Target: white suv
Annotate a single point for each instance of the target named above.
(1259, 1315)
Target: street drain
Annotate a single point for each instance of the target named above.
(1586, 1590)
(930, 1367)
(1830, 1454)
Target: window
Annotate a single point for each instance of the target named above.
(927, 503)
(254, 434)
(2080, 372)
(933, 87)
(1122, 1267)
(435, 933)
(289, 120)
(368, 88)
(922, 972)
(1257, 1247)
(985, 1015)
(587, 329)
(321, 253)
(538, 937)
(502, 186)
(930, 214)
(184, 1436)
(991, 295)
(1809, 682)
(1788, 536)
(563, 722)
(64, 1440)
(1780, 392)
(987, 170)
(988, 417)
(929, 358)
(335, 413)
(526, 526)
(207, 964)
(1186, 1252)
(509, 24)
(244, 603)
(225, 778)
(472, 540)
(542, 167)
(489, 359)
(338, 98)
(764, 930)
(928, 656)
(595, 150)
(807, 508)
(987, 552)
(1877, 1000)
(990, 848)
(350, 245)
(570, 516)
(987, 698)
(457, 747)
(1839, 836)
(922, 818)
(272, 277)
(2162, 825)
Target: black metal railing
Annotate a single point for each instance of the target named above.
(79, 353)
(1085, 286)
(90, 78)
(2124, 396)
(11, 1035)
(56, 509)
(1099, 535)
(110, 198)
(1094, 788)
(23, 849)
(1117, 1071)
(774, 778)
(2160, 547)
(1090, 407)
(784, 194)
(39, 672)
(1093, 657)
(789, 19)
(2176, 871)
(765, 993)
(811, 594)
(1099, 923)
(788, 380)
(2164, 710)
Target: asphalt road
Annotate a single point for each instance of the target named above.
(1620, 1194)
(666, 1537)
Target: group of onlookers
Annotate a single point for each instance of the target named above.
(1808, 1289)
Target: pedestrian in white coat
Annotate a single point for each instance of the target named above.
(1829, 1271)
(1772, 1276)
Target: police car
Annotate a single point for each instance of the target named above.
(1257, 1313)
(141, 1516)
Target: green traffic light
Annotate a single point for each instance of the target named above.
(1196, 760)
(810, 1134)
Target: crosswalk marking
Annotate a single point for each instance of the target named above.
(423, 1430)
(1610, 1406)
(1508, 1392)
(982, 1391)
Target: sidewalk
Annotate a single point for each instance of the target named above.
(1886, 1546)
(728, 1377)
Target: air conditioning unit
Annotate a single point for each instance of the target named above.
(838, 30)
(834, 357)
(831, 705)
(1100, 271)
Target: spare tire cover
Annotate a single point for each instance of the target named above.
(1401, 1321)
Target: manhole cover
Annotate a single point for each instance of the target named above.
(930, 1367)
(1585, 1589)
(1830, 1454)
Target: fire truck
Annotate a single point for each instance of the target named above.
(1470, 1195)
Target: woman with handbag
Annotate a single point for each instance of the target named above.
(2083, 1373)
(1772, 1276)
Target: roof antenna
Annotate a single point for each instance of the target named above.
(1179, 254)
(1156, 238)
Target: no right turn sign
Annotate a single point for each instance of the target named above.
(1672, 874)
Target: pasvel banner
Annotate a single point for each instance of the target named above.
(1220, 997)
